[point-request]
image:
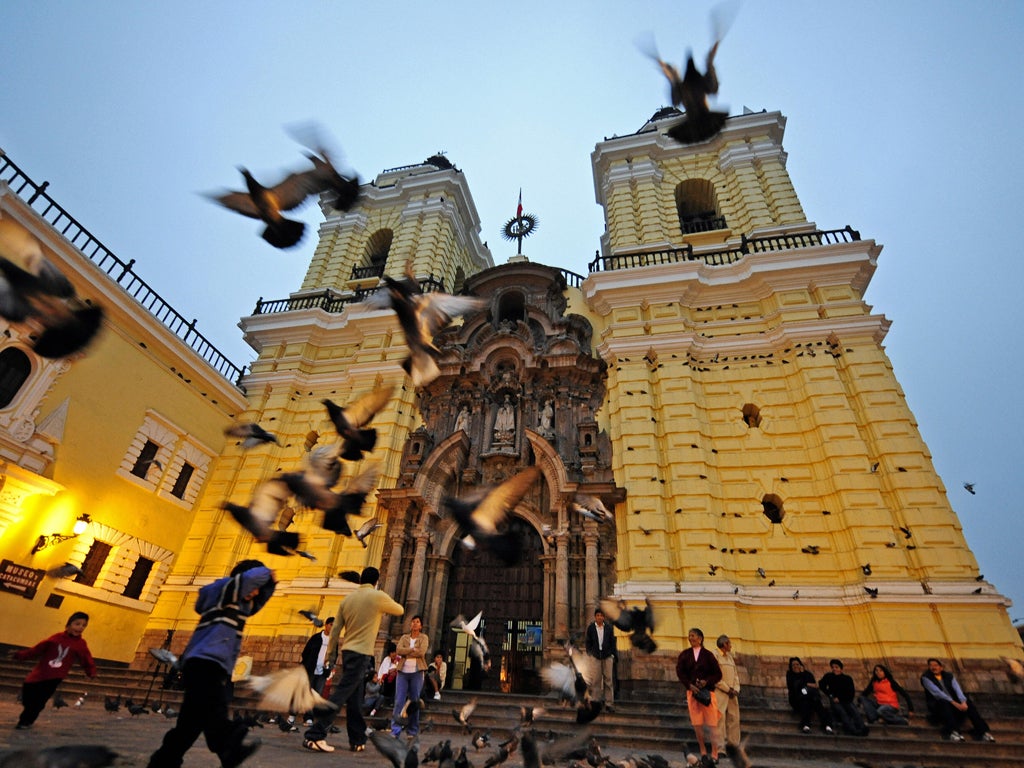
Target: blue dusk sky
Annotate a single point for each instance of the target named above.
(903, 121)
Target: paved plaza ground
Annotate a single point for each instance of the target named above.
(134, 738)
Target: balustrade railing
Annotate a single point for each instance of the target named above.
(120, 272)
(718, 258)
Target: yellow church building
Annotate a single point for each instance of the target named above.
(715, 377)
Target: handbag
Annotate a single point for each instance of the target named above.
(703, 697)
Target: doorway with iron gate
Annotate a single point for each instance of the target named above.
(511, 600)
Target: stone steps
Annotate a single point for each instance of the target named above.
(642, 726)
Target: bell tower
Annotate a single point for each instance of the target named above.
(779, 489)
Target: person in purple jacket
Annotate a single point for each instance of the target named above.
(207, 663)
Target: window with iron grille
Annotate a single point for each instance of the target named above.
(147, 456)
(181, 484)
(94, 560)
(14, 370)
(137, 580)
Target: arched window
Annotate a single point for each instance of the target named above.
(697, 207)
(15, 368)
(377, 249)
(511, 308)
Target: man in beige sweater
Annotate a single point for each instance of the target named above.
(727, 694)
(359, 618)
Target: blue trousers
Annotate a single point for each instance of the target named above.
(408, 687)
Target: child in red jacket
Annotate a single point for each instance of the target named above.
(56, 655)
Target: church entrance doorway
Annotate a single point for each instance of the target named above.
(511, 599)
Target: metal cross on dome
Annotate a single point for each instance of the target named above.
(520, 226)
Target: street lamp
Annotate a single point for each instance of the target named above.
(56, 538)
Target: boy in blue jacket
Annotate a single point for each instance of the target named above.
(207, 664)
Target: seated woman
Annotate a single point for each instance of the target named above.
(436, 674)
(880, 699)
(804, 697)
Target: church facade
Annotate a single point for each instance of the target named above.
(715, 378)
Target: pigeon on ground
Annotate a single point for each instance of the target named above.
(481, 739)
(267, 203)
(59, 701)
(137, 709)
(420, 316)
(350, 421)
(400, 753)
(288, 690)
(34, 291)
(252, 434)
(112, 703)
(482, 515)
(71, 756)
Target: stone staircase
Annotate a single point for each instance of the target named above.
(654, 725)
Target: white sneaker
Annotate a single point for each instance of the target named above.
(986, 736)
(806, 729)
(308, 723)
(437, 696)
(955, 736)
(828, 729)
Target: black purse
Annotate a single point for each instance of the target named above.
(703, 697)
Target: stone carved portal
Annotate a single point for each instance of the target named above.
(485, 418)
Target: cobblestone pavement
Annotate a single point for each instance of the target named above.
(135, 738)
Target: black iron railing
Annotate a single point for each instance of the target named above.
(119, 271)
(718, 258)
(362, 273)
(705, 223)
(330, 301)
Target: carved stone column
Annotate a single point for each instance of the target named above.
(414, 595)
(562, 587)
(591, 578)
(397, 541)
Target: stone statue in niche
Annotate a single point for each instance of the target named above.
(505, 422)
(462, 420)
(547, 415)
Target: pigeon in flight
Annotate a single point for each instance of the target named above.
(65, 571)
(164, 656)
(34, 291)
(267, 502)
(311, 617)
(481, 515)
(571, 681)
(350, 501)
(639, 622)
(288, 690)
(591, 508)
(463, 713)
(420, 316)
(969, 487)
(267, 203)
(366, 529)
(342, 191)
(477, 644)
(252, 434)
(350, 421)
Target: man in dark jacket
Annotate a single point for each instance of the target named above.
(841, 692)
(600, 644)
(314, 656)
